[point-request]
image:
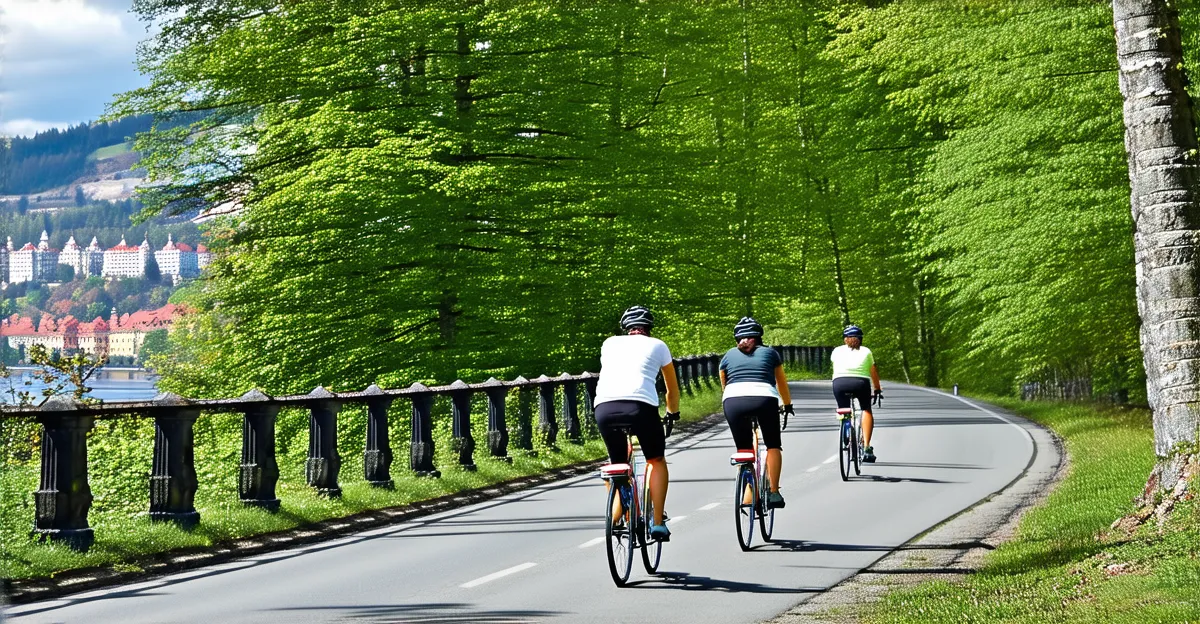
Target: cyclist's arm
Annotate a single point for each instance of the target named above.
(875, 376)
(672, 384)
(785, 393)
(722, 379)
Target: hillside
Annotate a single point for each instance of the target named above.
(48, 165)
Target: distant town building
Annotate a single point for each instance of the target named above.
(126, 260)
(4, 256)
(33, 264)
(177, 260)
(121, 335)
(203, 257)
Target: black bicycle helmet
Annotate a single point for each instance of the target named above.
(852, 331)
(747, 328)
(637, 316)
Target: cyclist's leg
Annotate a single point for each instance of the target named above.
(652, 439)
(768, 423)
(863, 394)
(739, 413)
(841, 386)
(611, 419)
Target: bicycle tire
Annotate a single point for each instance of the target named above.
(766, 516)
(845, 442)
(743, 514)
(651, 549)
(619, 540)
(858, 449)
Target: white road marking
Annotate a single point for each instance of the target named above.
(708, 506)
(591, 542)
(1028, 436)
(677, 519)
(832, 458)
(814, 468)
(495, 575)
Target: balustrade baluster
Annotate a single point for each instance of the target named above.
(570, 406)
(63, 498)
(377, 457)
(589, 401)
(464, 442)
(497, 393)
(173, 474)
(259, 470)
(547, 419)
(324, 462)
(421, 456)
(524, 416)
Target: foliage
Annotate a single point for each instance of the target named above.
(109, 222)
(1064, 564)
(57, 157)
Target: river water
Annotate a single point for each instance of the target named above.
(109, 384)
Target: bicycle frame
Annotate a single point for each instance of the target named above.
(850, 439)
(755, 472)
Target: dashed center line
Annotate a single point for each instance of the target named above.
(495, 575)
(708, 506)
(591, 542)
(814, 468)
(677, 519)
(832, 458)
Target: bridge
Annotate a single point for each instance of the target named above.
(536, 554)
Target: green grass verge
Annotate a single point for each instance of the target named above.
(1059, 567)
(111, 151)
(119, 459)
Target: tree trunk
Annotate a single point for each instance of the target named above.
(1160, 137)
(839, 283)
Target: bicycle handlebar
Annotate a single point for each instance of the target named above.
(669, 422)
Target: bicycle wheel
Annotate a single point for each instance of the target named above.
(846, 441)
(743, 513)
(619, 537)
(766, 515)
(651, 549)
(858, 449)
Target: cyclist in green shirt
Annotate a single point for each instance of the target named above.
(854, 372)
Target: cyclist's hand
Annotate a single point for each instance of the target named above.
(672, 418)
(878, 398)
(788, 409)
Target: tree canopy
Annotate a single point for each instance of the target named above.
(462, 188)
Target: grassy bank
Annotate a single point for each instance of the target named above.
(1064, 563)
(120, 457)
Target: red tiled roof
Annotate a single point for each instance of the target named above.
(201, 249)
(183, 247)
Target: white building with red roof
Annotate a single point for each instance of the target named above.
(177, 259)
(33, 264)
(126, 260)
(121, 335)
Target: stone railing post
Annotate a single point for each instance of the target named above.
(497, 393)
(547, 419)
(589, 401)
(173, 473)
(683, 370)
(464, 442)
(259, 470)
(63, 498)
(524, 416)
(570, 408)
(324, 462)
(421, 453)
(377, 457)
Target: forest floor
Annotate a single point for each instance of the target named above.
(1066, 561)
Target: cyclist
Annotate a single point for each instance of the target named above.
(627, 399)
(854, 373)
(754, 387)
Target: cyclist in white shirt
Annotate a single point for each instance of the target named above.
(854, 372)
(626, 398)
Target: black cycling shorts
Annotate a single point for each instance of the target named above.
(614, 418)
(742, 412)
(857, 387)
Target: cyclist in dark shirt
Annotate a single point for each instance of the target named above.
(754, 388)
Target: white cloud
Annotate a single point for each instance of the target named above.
(28, 127)
(64, 59)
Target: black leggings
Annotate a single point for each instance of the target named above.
(857, 387)
(615, 418)
(741, 412)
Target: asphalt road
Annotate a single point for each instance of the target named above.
(537, 555)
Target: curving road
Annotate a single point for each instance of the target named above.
(536, 555)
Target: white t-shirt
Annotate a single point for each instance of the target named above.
(629, 366)
(849, 362)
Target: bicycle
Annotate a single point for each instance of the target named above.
(850, 444)
(752, 475)
(632, 531)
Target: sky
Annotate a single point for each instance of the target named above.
(61, 61)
